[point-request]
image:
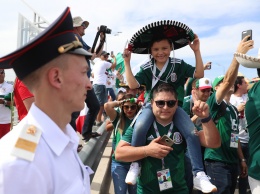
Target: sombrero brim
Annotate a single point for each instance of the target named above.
(179, 33)
(248, 61)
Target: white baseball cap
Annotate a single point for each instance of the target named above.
(203, 83)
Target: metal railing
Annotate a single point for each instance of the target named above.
(92, 152)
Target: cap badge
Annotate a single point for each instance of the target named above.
(66, 47)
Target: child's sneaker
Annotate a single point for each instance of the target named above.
(201, 182)
(132, 174)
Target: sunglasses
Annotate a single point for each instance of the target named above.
(2, 72)
(83, 25)
(161, 103)
(131, 107)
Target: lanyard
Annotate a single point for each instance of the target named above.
(156, 79)
(158, 134)
(157, 131)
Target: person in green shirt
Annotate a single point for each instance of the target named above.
(201, 90)
(163, 165)
(121, 114)
(221, 163)
(158, 40)
(252, 112)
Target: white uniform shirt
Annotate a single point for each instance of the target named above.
(5, 112)
(99, 70)
(56, 168)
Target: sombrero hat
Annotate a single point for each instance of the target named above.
(248, 61)
(179, 33)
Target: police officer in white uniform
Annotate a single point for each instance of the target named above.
(39, 156)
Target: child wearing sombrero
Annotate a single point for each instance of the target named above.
(159, 39)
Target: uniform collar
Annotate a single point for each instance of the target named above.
(51, 133)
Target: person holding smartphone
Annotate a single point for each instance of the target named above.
(162, 165)
(162, 68)
(222, 163)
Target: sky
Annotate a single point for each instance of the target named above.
(218, 23)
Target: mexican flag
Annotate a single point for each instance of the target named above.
(120, 65)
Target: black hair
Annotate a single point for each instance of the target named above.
(165, 87)
(193, 84)
(122, 113)
(158, 39)
(239, 81)
(120, 92)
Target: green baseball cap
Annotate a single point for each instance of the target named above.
(217, 80)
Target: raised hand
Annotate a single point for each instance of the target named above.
(200, 108)
(245, 45)
(127, 55)
(195, 44)
(207, 66)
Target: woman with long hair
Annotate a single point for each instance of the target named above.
(121, 120)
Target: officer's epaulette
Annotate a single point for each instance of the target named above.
(27, 142)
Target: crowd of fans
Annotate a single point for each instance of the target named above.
(209, 134)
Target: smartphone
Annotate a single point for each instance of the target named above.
(165, 140)
(209, 66)
(112, 53)
(245, 33)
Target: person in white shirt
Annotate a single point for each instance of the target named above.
(111, 81)
(100, 80)
(40, 154)
(5, 100)
(238, 99)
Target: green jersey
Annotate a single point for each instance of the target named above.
(175, 73)
(187, 105)
(148, 181)
(189, 86)
(227, 124)
(253, 120)
(118, 133)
